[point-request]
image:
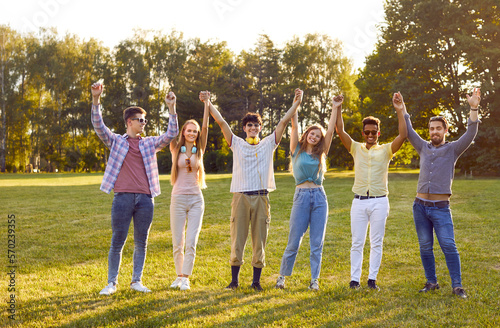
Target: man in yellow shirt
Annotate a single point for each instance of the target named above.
(370, 204)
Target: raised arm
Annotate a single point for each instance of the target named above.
(280, 128)
(336, 106)
(466, 139)
(171, 101)
(226, 130)
(416, 141)
(173, 125)
(399, 105)
(97, 89)
(474, 101)
(206, 117)
(344, 137)
(102, 131)
(294, 137)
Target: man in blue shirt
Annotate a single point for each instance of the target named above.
(431, 208)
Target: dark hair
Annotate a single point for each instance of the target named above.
(371, 120)
(441, 119)
(251, 117)
(131, 111)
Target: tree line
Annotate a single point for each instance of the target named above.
(432, 51)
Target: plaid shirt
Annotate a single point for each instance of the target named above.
(118, 146)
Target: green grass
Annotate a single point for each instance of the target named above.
(63, 234)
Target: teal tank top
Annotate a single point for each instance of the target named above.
(305, 168)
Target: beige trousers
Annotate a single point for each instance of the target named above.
(249, 212)
(182, 208)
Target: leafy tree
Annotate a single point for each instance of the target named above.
(434, 52)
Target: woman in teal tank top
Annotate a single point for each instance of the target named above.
(310, 206)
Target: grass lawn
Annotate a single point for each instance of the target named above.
(62, 237)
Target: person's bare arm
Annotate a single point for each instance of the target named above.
(474, 101)
(206, 117)
(280, 128)
(226, 130)
(336, 105)
(399, 105)
(344, 137)
(171, 102)
(294, 136)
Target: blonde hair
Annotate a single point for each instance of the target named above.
(199, 155)
(318, 150)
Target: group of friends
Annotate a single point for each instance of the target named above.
(132, 174)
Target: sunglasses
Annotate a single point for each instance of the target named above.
(188, 165)
(141, 120)
(253, 124)
(373, 133)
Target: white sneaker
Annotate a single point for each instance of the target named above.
(139, 287)
(314, 285)
(176, 283)
(109, 289)
(280, 283)
(185, 284)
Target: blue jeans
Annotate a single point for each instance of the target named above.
(310, 208)
(427, 219)
(125, 206)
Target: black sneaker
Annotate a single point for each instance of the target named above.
(460, 292)
(256, 285)
(233, 285)
(354, 284)
(372, 284)
(429, 286)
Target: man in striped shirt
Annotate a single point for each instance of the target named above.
(132, 172)
(252, 180)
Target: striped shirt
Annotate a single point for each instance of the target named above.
(119, 146)
(253, 164)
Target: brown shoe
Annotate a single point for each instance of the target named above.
(429, 286)
(460, 292)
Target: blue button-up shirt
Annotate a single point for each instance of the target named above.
(437, 164)
(118, 146)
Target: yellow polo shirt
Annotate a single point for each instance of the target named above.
(371, 168)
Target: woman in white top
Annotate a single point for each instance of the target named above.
(187, 178)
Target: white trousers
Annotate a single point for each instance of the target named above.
(182, 208)
(373, 211)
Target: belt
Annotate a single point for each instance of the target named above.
(261, 192)
(366, 197)
(440, 204)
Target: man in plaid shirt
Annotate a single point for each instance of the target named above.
(132, 172)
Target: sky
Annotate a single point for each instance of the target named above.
(238, 22)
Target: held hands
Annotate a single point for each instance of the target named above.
(298, 96)
(337, 101)
(475, 99)
(204, 96)
(398, 102)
